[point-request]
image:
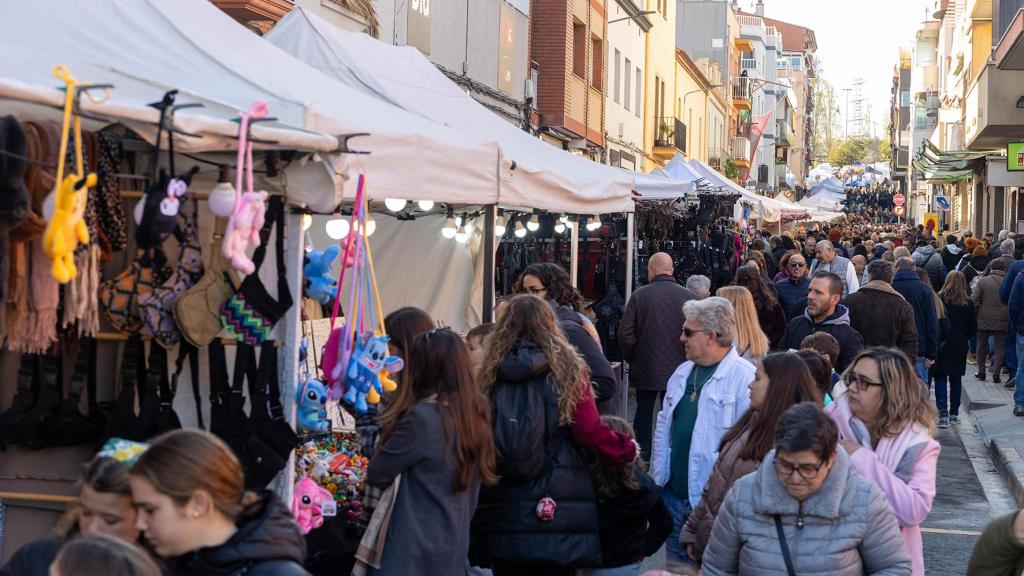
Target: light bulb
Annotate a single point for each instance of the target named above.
(595, 223)
(221, 199)
(533, 224)
(470, 226)
(564, 218)
(307, 221)
(499, 226)
(426, 205)
(462, 236)
(394, 204)
(449, 229)
(337, 228)
(520, 231)
(560, 227)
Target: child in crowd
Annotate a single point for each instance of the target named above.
(633, 519)
(475, 341)
(821, 371)
(826, 345)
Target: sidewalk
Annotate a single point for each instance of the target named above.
(990, 408)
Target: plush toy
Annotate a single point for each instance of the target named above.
(320, 285)
(312, 407)
(307, 505)
(244, 229)
(67, 229)
(362, 380)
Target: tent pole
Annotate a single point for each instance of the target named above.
(630, 249)
(574, 249)
(487, 313)
(290, 331)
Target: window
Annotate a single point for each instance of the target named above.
(579, 49)
(596, 63)
(639, 87)
(625, 101)
(905, 99)
(657, 98)
(618, 72)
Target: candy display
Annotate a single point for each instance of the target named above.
(336, 464)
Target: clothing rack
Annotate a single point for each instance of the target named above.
(120, 337)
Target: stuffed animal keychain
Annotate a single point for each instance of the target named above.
(250, 208)
(320, 285)
(66, 228)
(311, 400)
(308, 503)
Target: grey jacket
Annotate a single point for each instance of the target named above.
(848, 530)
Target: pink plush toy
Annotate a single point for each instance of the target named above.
(244, 229)
(307, 503)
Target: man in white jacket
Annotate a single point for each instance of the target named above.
(706, 395)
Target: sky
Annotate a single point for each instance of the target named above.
(855, 39)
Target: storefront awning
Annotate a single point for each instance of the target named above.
(934, 165)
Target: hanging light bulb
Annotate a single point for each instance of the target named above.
(533, 224)
(462, 235)
(595, 223)
(467, 222)
(499, 225)
(221, 199)
(425, 205)
(449, 229)
(337, 228)
(564, 218)
(394, 204)
(371, 225)
(520, 230)
(560, 227)
(307, 221)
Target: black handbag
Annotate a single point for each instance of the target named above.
(12, 420)
(133, 375)
(269, 440)
(148, 422)
(72, 426)
(40, 420)
(219, 389)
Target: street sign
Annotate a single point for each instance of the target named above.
(1015, 157)
(899, 210)
(899, 199)
(942, 202)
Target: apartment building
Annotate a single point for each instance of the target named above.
(899, 122)
(797, 67)
(624, 103)
(659, 81)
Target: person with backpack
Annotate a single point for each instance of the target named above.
(928, 259)
(541, 517)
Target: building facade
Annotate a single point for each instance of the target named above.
(624, 105)
(899, 122)
(796, 66)
(659, 80)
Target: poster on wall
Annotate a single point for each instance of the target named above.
(419, 25)
(506, 49)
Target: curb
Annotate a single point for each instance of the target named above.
(1007, 459)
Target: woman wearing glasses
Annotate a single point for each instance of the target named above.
(886, 424)
(805, 511)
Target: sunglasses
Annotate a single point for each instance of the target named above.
(689, 332)
(797, 264)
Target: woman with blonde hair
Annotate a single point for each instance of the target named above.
(541, 517)
(886, 423)
(952, 361)
(751, 343)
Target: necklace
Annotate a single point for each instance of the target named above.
(698, 382)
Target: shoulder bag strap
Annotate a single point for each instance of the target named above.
(187, 351)
(268, 226)
(258, 409)
(218, 373)
(784, 546)
(284, 295)
(268, 367)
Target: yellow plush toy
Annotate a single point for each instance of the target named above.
(66, 228)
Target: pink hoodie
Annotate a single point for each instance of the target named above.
(909, 485)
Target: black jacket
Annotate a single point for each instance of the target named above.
(649, 332)
(33, 559)
(505, 528)
(790, 293)
(634, 523)
(267, 543)
(883, 317)
(951, 256)
(838, 325)
(601, 373)
(919, 296)
(963, 324)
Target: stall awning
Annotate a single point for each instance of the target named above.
(946, 166)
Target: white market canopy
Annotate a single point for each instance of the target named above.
(147, 47)
(544, 176)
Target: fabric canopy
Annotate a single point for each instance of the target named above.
(770, 209)
(935, 165)
(146, 47)
(543, 176)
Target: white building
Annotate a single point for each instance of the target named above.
(624, 108)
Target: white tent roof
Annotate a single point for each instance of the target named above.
(146, 47)
(544, 176)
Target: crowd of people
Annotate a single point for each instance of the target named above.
(870, 205)
(818, 362)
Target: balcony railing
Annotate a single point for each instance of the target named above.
(741, 149)
(670, 133)
(716, 158)
(748, 64)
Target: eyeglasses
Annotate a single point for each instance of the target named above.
(860, 382)
(797, 264)
(806, 471)
(689, 332)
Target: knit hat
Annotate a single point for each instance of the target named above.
(13, 194)
(979, 251)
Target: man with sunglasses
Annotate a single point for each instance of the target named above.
(793, 288)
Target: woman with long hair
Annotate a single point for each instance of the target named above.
(952, 361)
(189, 490)
(770, 314)
(781, 381)
(438, 438)
(751, 343)
(755, 258)
(886, 423)
(541, 517)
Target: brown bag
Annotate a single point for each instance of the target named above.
(197, 311)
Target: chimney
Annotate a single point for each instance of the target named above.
(760, 8)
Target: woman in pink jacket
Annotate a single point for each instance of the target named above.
(886, 424)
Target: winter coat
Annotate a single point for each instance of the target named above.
(997, 553)
(650, 329)
(426, 504)
(951, 256)
(33, 559)
(883, 318)
(772, 320)
(920, 298)
(790, 293)
(972, 266)
(1007, 283)
(926, 257)
(729, 468)
(267, 543)
(601, 374)
(1008, 260)
(963, 325)
(848, 528)
(634, 523)
(992, 312)
(837, 324)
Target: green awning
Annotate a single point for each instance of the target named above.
(932, 164)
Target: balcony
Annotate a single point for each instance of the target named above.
(924, 78)
(741, 93)
(716, 158)
(1009, 53)
(786, 136)
(743, 44)
(751, 26)
(749, 64)
(741, 152)
(992, 117)
(669, 137)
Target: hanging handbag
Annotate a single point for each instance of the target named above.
(72, 427)
(197, 311)
(190, 353)
(220, 391)
(156, 306)
(149, 422)
(133, 373)
(251, 313)
(120, 295)
(785, 547)
(265, 446)
(37, 424)
(13, 419)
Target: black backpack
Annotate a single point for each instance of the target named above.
(520, 426)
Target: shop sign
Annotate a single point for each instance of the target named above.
(506, 49)
(418, 34)
(1015, 157)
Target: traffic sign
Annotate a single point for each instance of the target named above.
(899, 199)
(899, 210)
(942, 202)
